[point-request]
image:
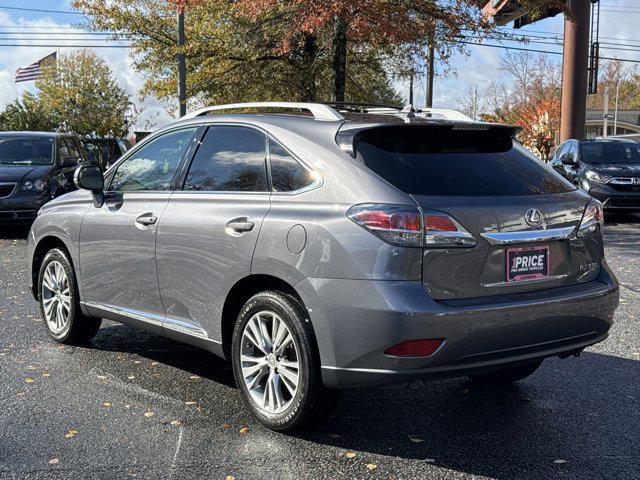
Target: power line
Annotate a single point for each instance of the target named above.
(22, 9)
(547, 52)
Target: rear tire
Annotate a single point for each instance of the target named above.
(60, 302)
(276, 363)
(507, 375)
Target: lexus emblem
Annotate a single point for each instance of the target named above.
(533, 217)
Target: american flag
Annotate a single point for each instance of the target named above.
(34, 70)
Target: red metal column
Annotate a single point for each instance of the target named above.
(574, 71)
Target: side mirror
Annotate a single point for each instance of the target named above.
(569, 159)
(91, 178)
(69, 162)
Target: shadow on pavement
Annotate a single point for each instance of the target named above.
(572, 417)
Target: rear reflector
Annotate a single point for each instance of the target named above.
(415, 348)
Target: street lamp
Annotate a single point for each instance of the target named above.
(618, 85)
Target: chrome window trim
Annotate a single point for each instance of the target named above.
(529, 236)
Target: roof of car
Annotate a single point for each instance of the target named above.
(609, 140)
(35, 134)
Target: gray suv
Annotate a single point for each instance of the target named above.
(345, 247)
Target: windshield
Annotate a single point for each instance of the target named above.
(603, 153)
(26, 151)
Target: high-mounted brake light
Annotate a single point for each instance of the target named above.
(408, 226)
(592, 220)
(415, 348)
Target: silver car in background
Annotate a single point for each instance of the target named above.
(347, 247)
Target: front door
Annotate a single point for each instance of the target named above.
(117, 240)
(209, 230)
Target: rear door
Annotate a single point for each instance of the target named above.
(522, 215)
(209, 230)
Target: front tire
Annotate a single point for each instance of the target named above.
(60, 302)
(276, 363)
(507, 375)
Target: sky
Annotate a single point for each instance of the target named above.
(477, 68)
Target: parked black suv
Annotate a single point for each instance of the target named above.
(34, 168)
(607, 168)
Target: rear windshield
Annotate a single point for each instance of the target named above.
(26, 151)
(438, 160)
(601, 153)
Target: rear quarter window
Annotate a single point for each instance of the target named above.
(437, 160)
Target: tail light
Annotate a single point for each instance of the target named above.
(415, 348)
(592, 220)
(395, 224)
(408, 226)
(442, 230)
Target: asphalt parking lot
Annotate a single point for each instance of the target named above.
(135, 404)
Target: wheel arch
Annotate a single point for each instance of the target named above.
(238, 295)
(44, 245)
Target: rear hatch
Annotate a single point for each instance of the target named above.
(522, 215)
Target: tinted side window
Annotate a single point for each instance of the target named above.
(287, 174)
(231, 159)
(153, 166)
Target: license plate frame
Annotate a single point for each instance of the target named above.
(529, 269)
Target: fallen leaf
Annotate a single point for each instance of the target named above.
(131, 377)
(29, 380)
(190, 402)
(371, 466)
(148, 414)
(244, 430)
(101, 377)
(54, 461)
(176, 423)
(46, 374)
(350, 454)
(153, 364)
(136, 361)
(416, 439)
(106, 404)
(559, 461)
(194, 377)
(229, 477)
(73, 432)
(226, 426)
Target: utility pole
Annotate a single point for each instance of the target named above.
(605, 117)
(574, 71)
(475, 103)
(182, 71)
(430, 75)
(411, 86)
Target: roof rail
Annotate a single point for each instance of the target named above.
(360, 107)
(318, 110)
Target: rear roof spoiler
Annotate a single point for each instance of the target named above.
(349, 132)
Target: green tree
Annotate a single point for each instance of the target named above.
(26, 114)
(79, 94)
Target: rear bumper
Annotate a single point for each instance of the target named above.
(356, 321)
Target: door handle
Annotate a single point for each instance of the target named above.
(146, 219)
(239, 225)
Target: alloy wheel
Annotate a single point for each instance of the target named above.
(56, 297)
(270, 362)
